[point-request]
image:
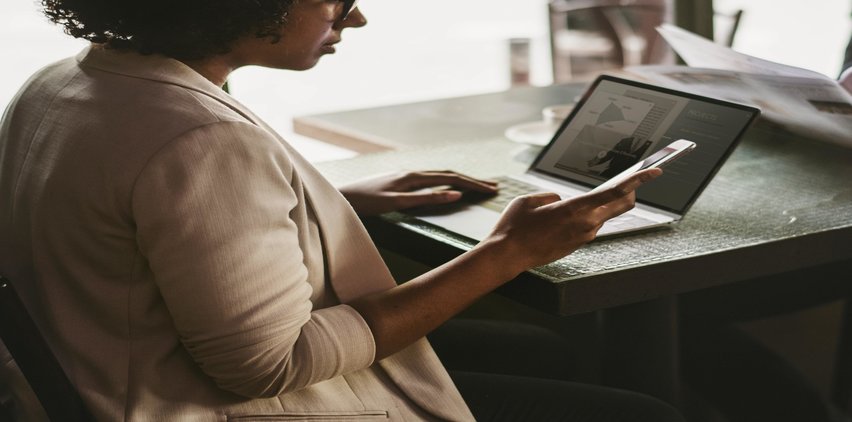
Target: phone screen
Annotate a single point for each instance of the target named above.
(657, 157)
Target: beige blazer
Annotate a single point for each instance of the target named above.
(185, 263)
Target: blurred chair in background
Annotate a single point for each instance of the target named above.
(589, 36)
(846, 73)
(725, 26)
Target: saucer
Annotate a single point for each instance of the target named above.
(532, 133)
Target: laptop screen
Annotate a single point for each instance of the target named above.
(619, 122)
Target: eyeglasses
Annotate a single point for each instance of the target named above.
(348, 7)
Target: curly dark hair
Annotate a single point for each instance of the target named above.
(181, 29)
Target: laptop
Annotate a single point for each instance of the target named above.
(617, 123)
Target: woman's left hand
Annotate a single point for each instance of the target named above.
(397, 191)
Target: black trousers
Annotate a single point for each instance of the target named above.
(508, 371)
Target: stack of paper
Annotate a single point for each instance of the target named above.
(804, 102)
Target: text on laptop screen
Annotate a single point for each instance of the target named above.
(620, 123)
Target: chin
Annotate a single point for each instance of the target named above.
(306, 66)
(303, 65)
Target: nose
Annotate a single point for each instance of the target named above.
(355, 19)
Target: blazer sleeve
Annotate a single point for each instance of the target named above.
(212, 212)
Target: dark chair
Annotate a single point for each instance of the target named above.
(842, 382)
(746, 379)
(57, 395)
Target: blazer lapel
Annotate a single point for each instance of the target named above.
(355, 267)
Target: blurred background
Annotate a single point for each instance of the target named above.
(413, 51)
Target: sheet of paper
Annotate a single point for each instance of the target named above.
(801, 101)
(815, 108)
(697, 51)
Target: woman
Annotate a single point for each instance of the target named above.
(185, 263)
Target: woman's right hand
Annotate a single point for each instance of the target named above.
(540, 228)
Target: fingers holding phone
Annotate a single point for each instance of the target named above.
(658, 159)
(619, 198)
(609, 203)
(542, 227)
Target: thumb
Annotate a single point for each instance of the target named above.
(536, 200)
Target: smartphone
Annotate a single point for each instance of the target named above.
(660, 158)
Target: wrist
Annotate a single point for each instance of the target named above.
(503, 259)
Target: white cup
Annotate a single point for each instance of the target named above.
(555, 114)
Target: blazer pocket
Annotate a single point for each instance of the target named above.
(363, 415)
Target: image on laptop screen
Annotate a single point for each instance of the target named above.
(621, 122)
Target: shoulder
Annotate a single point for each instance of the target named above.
(110, 120)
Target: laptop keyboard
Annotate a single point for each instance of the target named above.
(511, 188)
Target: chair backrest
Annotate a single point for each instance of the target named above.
(590, 36)
(19, 333)
(725, 26)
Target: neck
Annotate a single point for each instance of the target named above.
(216, 69)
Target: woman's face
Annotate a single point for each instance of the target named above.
(312, 29)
